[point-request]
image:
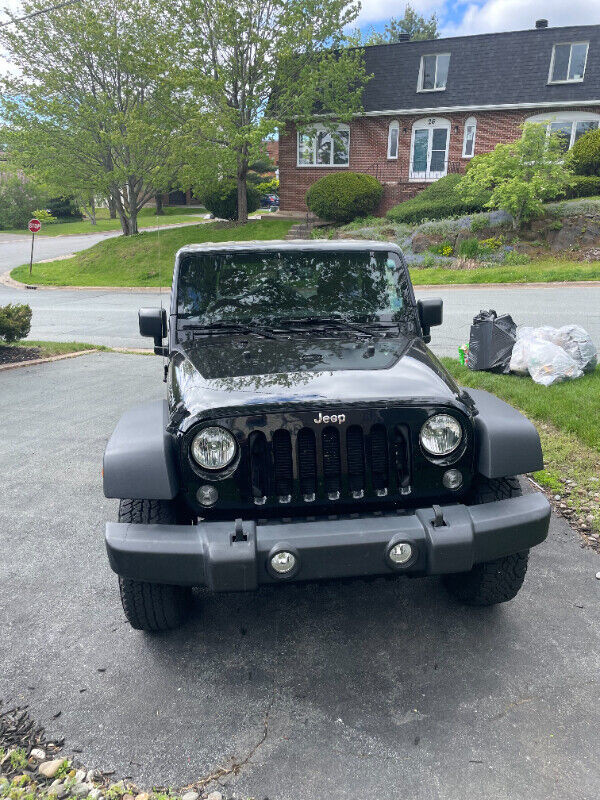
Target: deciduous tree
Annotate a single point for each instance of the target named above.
(90, 110)
(254, 65)
(521, 175)
(412, 23)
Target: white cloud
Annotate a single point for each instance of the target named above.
(512, 15)
(381, 10)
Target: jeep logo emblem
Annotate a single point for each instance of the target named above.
(339, 418)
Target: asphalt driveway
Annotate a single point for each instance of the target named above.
(374, 690)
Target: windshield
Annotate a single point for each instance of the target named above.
(260, 285)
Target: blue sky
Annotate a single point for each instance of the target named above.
(485, 16)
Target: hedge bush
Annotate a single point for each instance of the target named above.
(344, 196)
(438, 201)
(64, 208)
(18, 200)
(584, 156)
(584, 186)
(220, 198)
(15, 322)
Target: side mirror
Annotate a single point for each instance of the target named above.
(431, 312)
(153, 323)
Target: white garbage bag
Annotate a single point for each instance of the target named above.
(578, 344)
(548, 363)
(552, 354)
(518, 357)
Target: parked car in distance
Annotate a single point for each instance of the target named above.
(309, 433)
(269, 201)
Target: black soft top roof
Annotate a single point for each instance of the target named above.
(290, 245)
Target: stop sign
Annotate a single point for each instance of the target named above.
(35, 225)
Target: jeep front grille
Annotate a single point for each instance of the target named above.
(329, 464)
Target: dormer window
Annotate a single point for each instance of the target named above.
(433, 73)
(568, 62)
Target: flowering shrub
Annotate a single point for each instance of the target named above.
(443, 249)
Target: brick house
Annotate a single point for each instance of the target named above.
(432, 105)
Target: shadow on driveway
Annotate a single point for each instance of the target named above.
(379, 689)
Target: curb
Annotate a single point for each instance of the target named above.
(34, 362)
(6, 280)
(532, 285)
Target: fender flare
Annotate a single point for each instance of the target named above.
(139, 459)
(507, 443)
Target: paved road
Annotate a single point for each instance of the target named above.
(371, 690)
(95, 316)
(15, 248)
(110, 318)
(546, 305)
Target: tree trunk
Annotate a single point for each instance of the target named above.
(159, 205)
(242, 196)
(133, 221)
(112, 207)
(92, 210)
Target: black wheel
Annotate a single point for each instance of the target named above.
(495, 581)
(152, 606)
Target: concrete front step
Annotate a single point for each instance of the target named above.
(301, 231)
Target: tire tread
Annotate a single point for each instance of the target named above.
(494, 581)
(151, 606)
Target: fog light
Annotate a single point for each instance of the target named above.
(283, 562)
(207, 495)
(401, 553)
(452, 479)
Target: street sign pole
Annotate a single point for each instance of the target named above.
(31, 256)
(34, 226)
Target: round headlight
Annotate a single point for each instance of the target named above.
(213, 448)
(441, 434)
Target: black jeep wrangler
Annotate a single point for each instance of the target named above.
(309, 433)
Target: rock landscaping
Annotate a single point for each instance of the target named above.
(33, 767)
(569, 229)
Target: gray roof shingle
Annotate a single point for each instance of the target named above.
(494, 69)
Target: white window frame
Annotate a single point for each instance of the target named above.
(470, 122)
(393, 126)
(565, 116)
(314, 130)
(428, 124)
(420, 79)
(568, 80)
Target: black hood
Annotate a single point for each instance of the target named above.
(221, 372)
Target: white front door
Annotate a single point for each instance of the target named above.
(429, 150)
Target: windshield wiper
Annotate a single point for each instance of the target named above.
(229, 327)
(335, 323)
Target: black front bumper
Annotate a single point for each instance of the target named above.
(226, 557)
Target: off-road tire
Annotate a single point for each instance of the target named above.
(495, 581)
(152, 606)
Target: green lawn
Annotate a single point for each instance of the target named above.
(143, 260)
(572, 406)
(146, 218)
(547, 269)
(566, 415)
(56, 348)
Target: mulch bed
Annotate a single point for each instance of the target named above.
(11, 355)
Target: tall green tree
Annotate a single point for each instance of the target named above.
(412, 23)
(252, 67)
(90, 110)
